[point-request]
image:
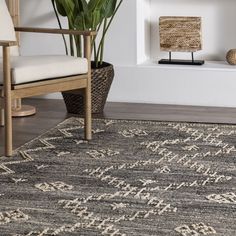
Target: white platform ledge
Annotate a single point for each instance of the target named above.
(213, 84)
(209, 65)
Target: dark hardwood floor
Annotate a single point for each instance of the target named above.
(52, 112)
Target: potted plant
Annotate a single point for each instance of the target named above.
(94, 15)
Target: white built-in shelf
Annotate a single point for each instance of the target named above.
(209, 66)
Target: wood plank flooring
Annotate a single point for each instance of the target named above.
(52, 112)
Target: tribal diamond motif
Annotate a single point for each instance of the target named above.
(195, 229)
(102, 153)
(11, 216)
(133, 132)
(54, 186)
(223, 198)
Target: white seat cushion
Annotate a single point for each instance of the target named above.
(7, 31)
(27, 69)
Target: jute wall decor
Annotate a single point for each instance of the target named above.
(180, 34)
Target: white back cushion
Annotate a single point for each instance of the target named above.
(7, 31)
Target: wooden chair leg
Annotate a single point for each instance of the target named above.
(7, 101)
(1, 112)
(88, 114)
(8, 127)
(87, 95)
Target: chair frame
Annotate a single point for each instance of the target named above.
(11, 91)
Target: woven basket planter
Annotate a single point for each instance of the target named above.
(101, 82)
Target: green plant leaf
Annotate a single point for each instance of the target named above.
(109, 8)
(95, 4)
(60, 8)
(69, 8)
(96, 19)
(81, 22)
(81, 6)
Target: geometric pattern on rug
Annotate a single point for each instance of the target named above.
(133, 178)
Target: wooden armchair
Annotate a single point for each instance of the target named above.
(36, 75)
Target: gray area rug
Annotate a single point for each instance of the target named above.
(133, 178)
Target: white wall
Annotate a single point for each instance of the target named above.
(39, 14)
(129, 47)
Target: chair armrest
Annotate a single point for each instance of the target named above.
(55, 31)
(6, 43)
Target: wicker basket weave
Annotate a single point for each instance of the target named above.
(101, 82)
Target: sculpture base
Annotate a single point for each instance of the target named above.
(25, 110)
(181, 62)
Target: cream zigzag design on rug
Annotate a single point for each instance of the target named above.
(68, 134)
(4, 166)
(28, 158)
